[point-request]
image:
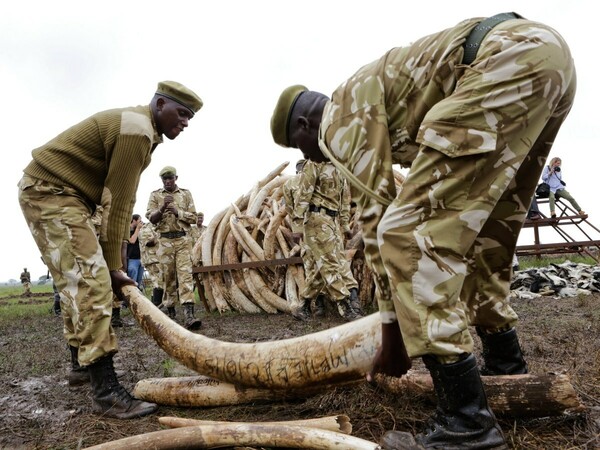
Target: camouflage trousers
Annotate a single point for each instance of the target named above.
(176, 267)
(26, 288)
(441, 252)
(155, 275)
(448, 238)
(60, 221)
(326, 268)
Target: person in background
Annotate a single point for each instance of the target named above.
(149, 242)
(196, 233)
(534, 211)
(97, 162)
(135, 269)
(116, 320)
(56, 303)
(197, 229)
(289, 197)
(468, 109)
(321, 206)
(171, 209)
(26, 282)
(553, 176)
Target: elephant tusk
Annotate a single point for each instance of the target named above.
(339, 423)
(331, 356)
(206, 392)
(240, 434)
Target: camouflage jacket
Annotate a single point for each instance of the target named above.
(148, 239)
(290, 188)
(185, 205)
(422, 95)
(390, 105)
(322, 185)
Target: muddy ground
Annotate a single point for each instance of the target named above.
(39, 411)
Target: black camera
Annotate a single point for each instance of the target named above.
(557, 169)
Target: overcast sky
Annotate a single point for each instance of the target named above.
(63, 61)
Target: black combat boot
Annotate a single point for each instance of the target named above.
(117, 321)
(355, 302)
(157, 295)
(302, 313)
(81, 375)
(463, 419)
(110, 398)
(77, 375)
(502, 353)
(56, 307)
(346, 310)
(191, 323)
(171, 312)
(319, 309)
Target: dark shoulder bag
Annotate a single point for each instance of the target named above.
(543, 190)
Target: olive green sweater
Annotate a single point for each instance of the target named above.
(102, 157)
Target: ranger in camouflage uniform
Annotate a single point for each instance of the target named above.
(149, 243)
(26, 282)
(197, 230)
(97, 162)
(321, 204)
(195, 236)
(290, 187)
(116, 321)
(172, 210)
(474, 117)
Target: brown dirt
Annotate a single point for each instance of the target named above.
(40, 411)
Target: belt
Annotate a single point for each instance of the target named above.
(329, 212)
(477, 34)
(172, 234)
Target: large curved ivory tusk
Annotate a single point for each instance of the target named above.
(206, 392)
(240, 434)
(216, 294)
(263, 194)
(260, 289)
(340, 423)
(245, 239)
(237, 279)
(331, 356)
(256, 292)
(270, 234)
(291, 291)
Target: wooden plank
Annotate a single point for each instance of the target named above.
(201, 294)
(249, 265)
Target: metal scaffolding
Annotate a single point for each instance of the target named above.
(586, 243)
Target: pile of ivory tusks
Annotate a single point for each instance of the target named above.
(256, 227)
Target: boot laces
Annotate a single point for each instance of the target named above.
(114, 385)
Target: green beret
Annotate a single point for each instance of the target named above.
(200, 214)
(179, 93)
(168, 171)
(280, 120)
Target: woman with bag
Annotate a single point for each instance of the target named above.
(553, 176)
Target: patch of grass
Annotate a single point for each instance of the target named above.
(168, 366)
(20, 311)
(531, 262)
(15, 307)
(9, 291)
